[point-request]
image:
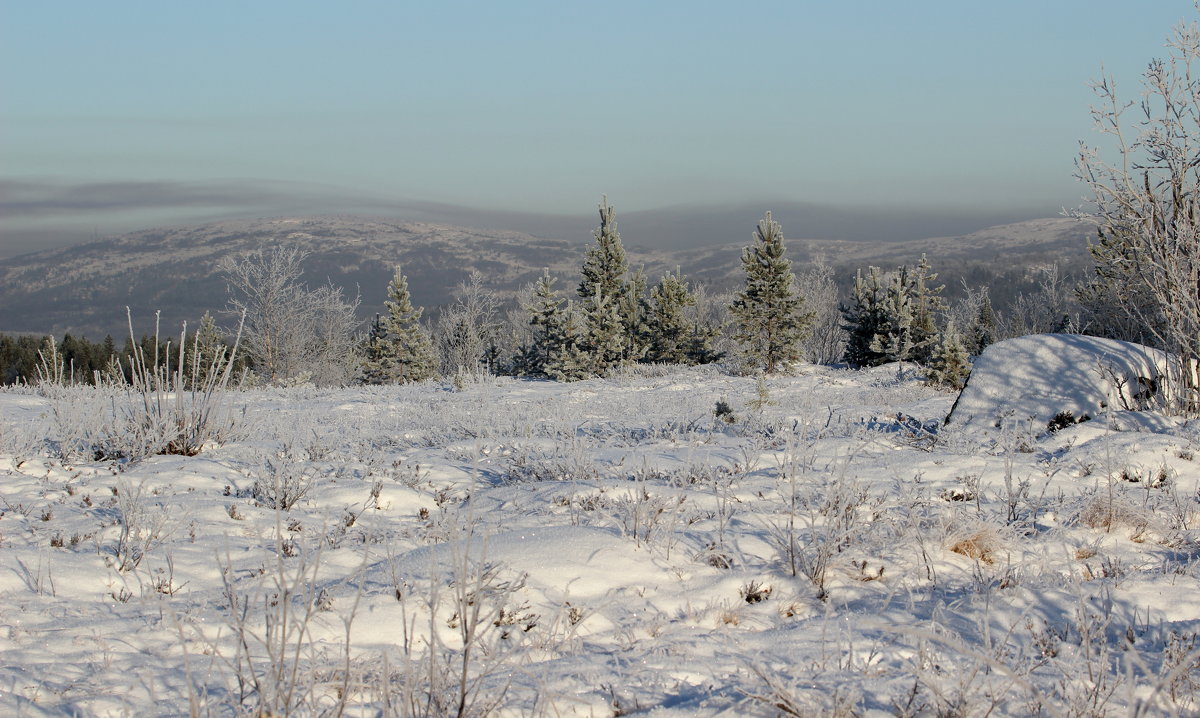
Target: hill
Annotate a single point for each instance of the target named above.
(84, 289)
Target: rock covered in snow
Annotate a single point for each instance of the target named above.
(1034, 379)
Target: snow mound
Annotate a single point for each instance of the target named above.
(1031, 380)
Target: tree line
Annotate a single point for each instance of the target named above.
(613, 319)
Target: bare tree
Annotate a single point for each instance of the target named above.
(290, 332)
(826, 339)
(467, 329)
(334, 324)
(1052, 308)
(1147, 202)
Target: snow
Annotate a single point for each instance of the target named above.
(629, 552)
(1030, 380)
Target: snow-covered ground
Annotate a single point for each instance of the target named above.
(607, 547)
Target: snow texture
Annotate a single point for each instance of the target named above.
(1030, 380)
(616, 548)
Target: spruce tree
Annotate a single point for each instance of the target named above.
(770, 323)
(398, 348)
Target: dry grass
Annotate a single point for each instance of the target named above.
(981, 543)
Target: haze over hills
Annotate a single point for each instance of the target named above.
(84, 289)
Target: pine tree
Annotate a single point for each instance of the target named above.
(207, 352)
(949, 364)
(926, 304)
(667, 326)
(893, 316)
(983, 331)
(568, 360)
(544, 310)
(864, 319)
(770, 322)
(895, 338)
(398, 348)
(556, 350)
(610, 305)
(634, 310)
(670, 335)
(606, 341)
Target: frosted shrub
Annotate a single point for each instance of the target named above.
(142, 526)
(275, 665)
(282, 482)
(179, 420)
(466, 671)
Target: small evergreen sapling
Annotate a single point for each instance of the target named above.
(893, 316)
(672, 337)
(398, 348)
(556, 350)
(950, 364)
(865, 319)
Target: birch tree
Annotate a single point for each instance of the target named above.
(1146, 200)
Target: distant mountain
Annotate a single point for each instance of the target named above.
(84, 289)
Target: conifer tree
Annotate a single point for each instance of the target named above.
(207, 351)
(895, 339)
(983, 332)
(949, 364)
(398, 348)
(927, 304)
(634, 311)
(864, 319)
(770, 323)
(568, 360)
(606, 341)
(610, 304)
(893, 317)
(556, 349)
(670, 335)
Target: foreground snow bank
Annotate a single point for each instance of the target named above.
(1031, 380)
(606, 547)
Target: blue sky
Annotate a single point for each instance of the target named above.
(118, 115)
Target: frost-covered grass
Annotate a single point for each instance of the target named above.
(606, 547)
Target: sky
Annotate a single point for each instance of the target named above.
(122, 115)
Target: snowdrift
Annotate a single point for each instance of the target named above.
(1031, 380)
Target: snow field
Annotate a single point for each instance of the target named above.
(601, 548)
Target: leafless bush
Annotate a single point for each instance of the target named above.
(142, 525)
(169, 412)
(478, 601)
(282, 482)
(826, 339)
(276, 667)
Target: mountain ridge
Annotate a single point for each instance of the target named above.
(84, 289)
